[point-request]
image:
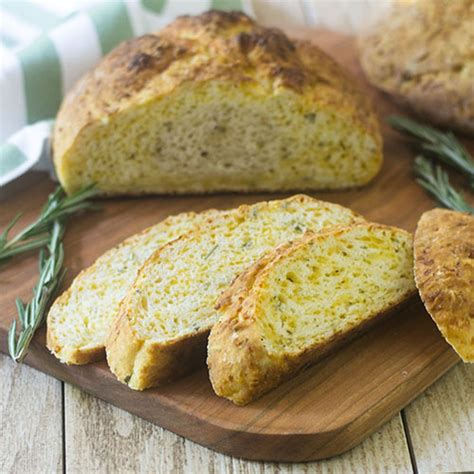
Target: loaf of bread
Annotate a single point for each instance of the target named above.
(444, 274)
(165, 319)
(302, 300)
(423, 55)
(215, 102)
(80, 318)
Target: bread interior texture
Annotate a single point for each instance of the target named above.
(178, 287)
(304, 300)
(329, 286)
(80, 318)
(212, 136)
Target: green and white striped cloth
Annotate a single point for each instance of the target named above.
(47, 45)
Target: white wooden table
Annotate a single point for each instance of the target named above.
(48, 426)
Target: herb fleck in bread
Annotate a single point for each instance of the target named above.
(166, 317)
(216, 102)
(79, 319)
(301, 300)
(444, 274)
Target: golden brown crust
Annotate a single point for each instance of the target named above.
(444, 275)
(250, 354)
(214, 45)
(158, 362)
(423, 55)
(240, 367)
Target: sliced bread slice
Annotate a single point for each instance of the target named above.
(302, 300)
(79, 319)
(168, 312)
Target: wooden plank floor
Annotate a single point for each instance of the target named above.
(51, 427)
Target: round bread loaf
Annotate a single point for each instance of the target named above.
(422, 54)
(215, 102)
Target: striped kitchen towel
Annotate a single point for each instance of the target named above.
(47, 45)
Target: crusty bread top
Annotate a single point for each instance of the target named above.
(423, 52)
(213, 45)
(444, 275)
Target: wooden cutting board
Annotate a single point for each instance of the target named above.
(323, 411)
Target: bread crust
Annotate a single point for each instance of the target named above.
(153, 66)
(143, 363)
(422, 55)
(240, 367)
(158, 362)
(444, 275)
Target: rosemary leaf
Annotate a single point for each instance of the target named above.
(443, 146)
(8, 228)
(211, 251)
(32, 314)
(31, 244)
(34, 236)
(436, 182)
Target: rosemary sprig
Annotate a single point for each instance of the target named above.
(444, 146)
(32, 315)
(35, 235)
(435, 180)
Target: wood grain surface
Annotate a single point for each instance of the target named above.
(92, 443)
(447, 406)
(323, 411)
(94, 429)
(30, 419)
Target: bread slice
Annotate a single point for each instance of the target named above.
(79, 319)
(216, 102)
(444, 275)
(302, 300)
(168, 312)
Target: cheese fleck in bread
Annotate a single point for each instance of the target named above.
(167, 314)
(216, 102)
(301, 300)
(444, 274)
(79, 319)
